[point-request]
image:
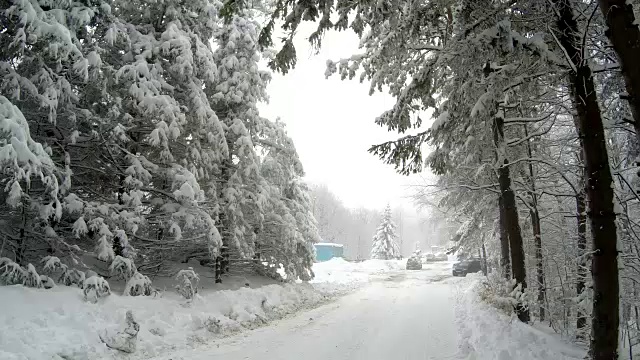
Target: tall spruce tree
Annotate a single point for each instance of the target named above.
(384, 245)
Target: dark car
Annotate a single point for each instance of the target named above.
(414, 262)
(465, 267)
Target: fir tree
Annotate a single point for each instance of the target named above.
(384, 242)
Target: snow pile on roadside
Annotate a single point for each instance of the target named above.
(58, 324)
(338, 271)
(485, 333)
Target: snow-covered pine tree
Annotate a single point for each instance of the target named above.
(384, 241)
(45, 66)
(167, 142)
(240, 87)
(290, 228)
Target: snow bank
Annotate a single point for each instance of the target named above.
(484, 330)
(58, 324)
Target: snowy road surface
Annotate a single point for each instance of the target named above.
(404, 315)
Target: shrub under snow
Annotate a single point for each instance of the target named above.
(67, 276)
(138, 285)
(122, 268)
(503, 294)
(10, 272)
(95, 287)
(186, 286)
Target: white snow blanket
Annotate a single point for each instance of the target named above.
(487, 334)
(58, 324)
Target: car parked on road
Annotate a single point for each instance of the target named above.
(441, 256)
(413, 262)
(465, 267)
(428, 257)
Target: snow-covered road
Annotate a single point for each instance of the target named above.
(401, 315)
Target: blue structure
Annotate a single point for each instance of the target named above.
(327, 251)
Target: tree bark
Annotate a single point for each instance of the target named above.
(224, 223)
(485, 268)
(625, 38)
(581, 213)
(604, 266)
(535, 225)
(505, 255)
(511, 215)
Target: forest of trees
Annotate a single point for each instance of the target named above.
(537, 125)
(130, 139)
(355, 228)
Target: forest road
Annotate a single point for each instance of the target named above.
(398, 316)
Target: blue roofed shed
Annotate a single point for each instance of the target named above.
(327, 251)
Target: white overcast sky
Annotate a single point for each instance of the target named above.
(332, 124)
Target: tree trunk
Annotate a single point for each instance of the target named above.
(581, 213)
(224, 225)
(625, 38)
(485, 268)
(511, 215)
(505, 256)
(604, 266)
(535, 225)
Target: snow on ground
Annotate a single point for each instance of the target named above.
(407, 315)
(339, 271)
(58, 324)
(486, 334)
(394, 314)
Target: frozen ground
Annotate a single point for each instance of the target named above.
(387, 313)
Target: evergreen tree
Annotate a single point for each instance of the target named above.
(384, 242)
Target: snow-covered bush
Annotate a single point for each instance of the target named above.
(47, 282)
(72, 277)
(31, 279)
(122, 268)
(95, 287)
(67, 276)
(503, 294)
(138, 285)
(52, 264)
(10, 272)
(187, 283)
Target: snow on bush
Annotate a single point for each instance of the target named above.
(11, 272)
(186, 286)
(483, 330)
(72, 277)
(122, 268)
(503, 294)
(138, 285)
(31, 277)
(47, 282)
(68, 277)
(95, 287)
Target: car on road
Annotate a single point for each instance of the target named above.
(428, 257)
(441, 256)
(414, 262)
(465, 267)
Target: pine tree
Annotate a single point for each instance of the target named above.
(290, 228)
(384, 242)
